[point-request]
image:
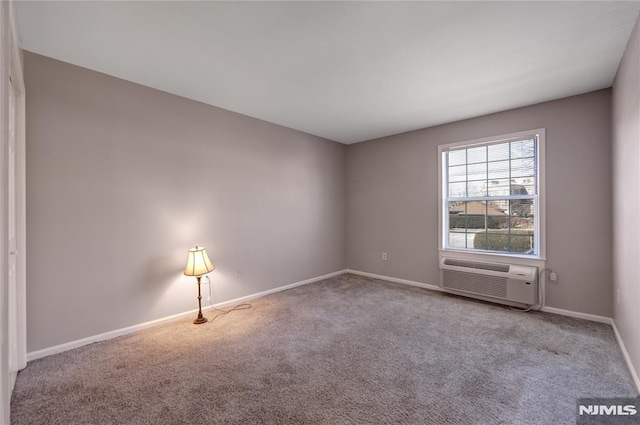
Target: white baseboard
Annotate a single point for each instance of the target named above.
(586, 316)
(103, 336)
(280, 288)
(118, 332)
(395, 279)
(578, 315)
(626, 356)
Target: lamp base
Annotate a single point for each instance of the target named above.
(200, 320)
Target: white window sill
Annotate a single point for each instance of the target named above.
(527, 260)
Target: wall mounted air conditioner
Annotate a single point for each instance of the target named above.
(497, 282)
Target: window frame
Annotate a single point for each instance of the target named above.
(540, 205)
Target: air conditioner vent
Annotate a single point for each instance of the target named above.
(493, 286)
(475, 265)
(499, 282)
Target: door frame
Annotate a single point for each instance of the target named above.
(11, 68)
(19, 293)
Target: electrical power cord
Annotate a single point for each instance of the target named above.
(221, 312)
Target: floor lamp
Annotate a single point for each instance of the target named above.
(198, 264)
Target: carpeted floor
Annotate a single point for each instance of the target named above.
(347, 350)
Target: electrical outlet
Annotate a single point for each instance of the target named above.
(384, 256)
(239, 271)
(553, 276)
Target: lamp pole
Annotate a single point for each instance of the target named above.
(200, 319)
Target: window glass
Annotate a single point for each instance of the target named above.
(491, 196)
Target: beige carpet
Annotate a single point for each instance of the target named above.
(347, 350)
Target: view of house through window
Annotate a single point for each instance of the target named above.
(491, 194)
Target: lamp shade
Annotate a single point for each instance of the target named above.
(198, 262)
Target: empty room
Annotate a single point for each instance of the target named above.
(331, 212)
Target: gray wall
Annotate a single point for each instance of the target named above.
(123, 179)
(626, 197)
(392, 197)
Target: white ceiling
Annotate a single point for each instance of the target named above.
(347, 71)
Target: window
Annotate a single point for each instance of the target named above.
(490, 195)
